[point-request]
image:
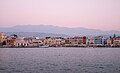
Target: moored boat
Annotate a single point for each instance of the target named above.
(44, 46)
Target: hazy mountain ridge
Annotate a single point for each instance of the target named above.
(48, 29)
(36, 34)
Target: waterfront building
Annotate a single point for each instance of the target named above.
(20, 42)
(33, 41)
(10, 41)
(75, 41)
(113, 41)
(54, 41)
(2, 37)
(104, 41)
(100, 41)
(90, 42)
(109, 41)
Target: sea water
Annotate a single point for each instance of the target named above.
(59, 60)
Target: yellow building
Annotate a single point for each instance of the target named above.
(2, 37)
(53, 41)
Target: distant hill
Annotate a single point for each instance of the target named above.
(55, 30)
(37, 34)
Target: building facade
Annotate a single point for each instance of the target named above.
(75, 41)
(20, 42)
(100, 41)
(54, 41)
(113, 41)
(2, 37)
(90, 42)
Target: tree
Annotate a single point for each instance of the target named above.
(110, 37)
(15, 36)
(4, 43)
(114, 36)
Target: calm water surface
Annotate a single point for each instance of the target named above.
(59, 60)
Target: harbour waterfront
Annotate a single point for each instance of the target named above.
(60, 60)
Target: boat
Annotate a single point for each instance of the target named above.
(44, 46)
(57, 46)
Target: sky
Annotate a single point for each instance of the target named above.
(93, 14)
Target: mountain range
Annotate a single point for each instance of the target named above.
(49, 30)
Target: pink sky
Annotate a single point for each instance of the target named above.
(96, 14)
